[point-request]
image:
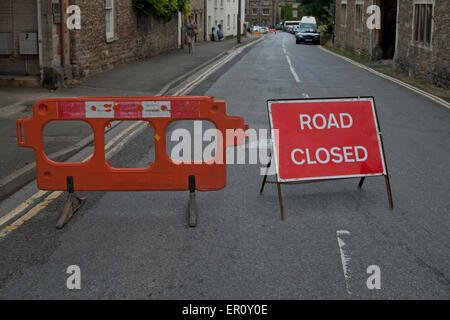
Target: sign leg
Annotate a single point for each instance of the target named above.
(192, 210)
(280, 197)
(265, 178)
(361, 182)
(389, 192)
(73, 203)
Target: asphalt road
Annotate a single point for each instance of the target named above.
(138, 245)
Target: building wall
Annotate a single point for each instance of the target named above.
(360, 41)
(136, 36)
(198, 11)
(222, 11)
(16, 17)
(261, 12)
(432, 63)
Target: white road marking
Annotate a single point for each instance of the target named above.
(345, 258)
(214, 68)
(305, 95)
(382, 75)
(296, 77)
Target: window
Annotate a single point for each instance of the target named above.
(423, 14)
(228, 22)
(359, 17)
(109, 8)
(344, 13)
(266, 11)
(255, 10)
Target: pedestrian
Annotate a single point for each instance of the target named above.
(191, 32)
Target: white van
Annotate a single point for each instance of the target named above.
(288, 24)
(309, 20)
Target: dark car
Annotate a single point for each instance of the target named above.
(307, 33)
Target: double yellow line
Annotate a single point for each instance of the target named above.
(111, 148)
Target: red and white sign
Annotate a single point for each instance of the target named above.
(128, 109)
(319, 139)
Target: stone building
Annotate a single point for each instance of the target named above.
(261, 12)
(198, 12)
(415, 34)
(37, 40)
(269, 12)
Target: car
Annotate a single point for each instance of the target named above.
(264, 30)
(307, 33)
(256, 29)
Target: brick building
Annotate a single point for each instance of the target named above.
(415, 34)
(270, 12)
(35, 39)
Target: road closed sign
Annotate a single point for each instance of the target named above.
(320, 139)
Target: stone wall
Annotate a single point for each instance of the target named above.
(135, 37)
(360, 41)
(431, 64)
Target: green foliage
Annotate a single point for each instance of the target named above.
(320, 9)
(286, 12)
(165, 9)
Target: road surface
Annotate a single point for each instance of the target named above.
(137, 244)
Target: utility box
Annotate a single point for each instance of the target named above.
(6, 43)
(28, 43)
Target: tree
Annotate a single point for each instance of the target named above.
(320, 9)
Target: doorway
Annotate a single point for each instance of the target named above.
(389, 28)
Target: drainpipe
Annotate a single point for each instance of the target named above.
(40, 53)
(396, 32)
(371, 40)
(205, 21)
(63, 47)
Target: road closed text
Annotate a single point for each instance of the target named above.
(325, 138)
(321, 155)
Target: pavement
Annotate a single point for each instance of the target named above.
(150, 77)
(136, 245)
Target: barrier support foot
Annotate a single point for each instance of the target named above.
(73, 203)
(192, 210)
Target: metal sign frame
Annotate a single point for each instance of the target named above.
(362, 177)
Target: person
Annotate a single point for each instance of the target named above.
(191, 32)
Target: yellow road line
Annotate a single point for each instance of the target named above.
(24, 205)
(382, 75)
(54, 195)
(30, 214)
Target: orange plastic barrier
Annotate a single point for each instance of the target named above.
(98, 175)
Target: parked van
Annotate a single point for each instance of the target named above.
(288, 24)
(309, 19)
